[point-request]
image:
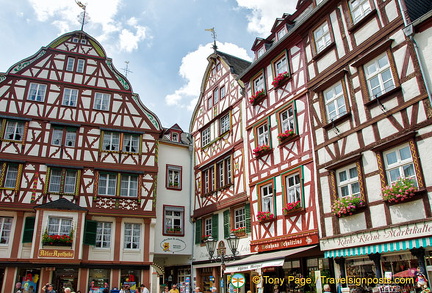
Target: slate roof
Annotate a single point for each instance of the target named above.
(417, 8)
(237, 65)
(61, 204)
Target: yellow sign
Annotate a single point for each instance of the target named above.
(56, 253)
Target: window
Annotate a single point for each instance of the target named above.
(59, 226)
(293, 188)
(175, 137)
(103, 235)
(210, 102)
(281, 33)
(398, 163)
(208, 226)
(260, 52)
(62, 181)
(9, 175)
(102, 101)
(222, 92)
(379, 76)
(359, 8)
(132, 236)
(208, 186)
(322, 37)
(223, 169)
(66, 134)
(14, 130)
(205, 137)
(266, 193)
(70, 64)
(262, 134)
(108, 184)
(173, 220)
(80, 65)
(335, 101)
(130, 143)
(215, 95)
(70, 97)
(5, 229)
(174, 177)
(239, 218)
(259, 83)
(287, 119)
(224, 124)
(281, 65)
(348, 181)
(37, 92)
(111, 141)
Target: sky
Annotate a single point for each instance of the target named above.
(163, 43)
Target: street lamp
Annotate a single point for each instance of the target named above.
(233, 242)
(211, 246)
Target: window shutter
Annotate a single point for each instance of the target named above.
(90, 229)
(28, 229)
(226, 219)
(248, 218)
(198, 231)
(215, 225)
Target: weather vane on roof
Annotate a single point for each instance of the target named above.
(83, 17)
(126, 70)
(212, 30)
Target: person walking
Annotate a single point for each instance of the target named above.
(174, 289)
(48, 288)
(144, 289)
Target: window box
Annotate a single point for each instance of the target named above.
(286, 135)
(257, 97)
(261, 150)
(204, 238)
(265, 217)
(347, 206)
(239, 232)
(292, 208)
(175, 230)
(399, 191)
(57, 240)
(281, 79)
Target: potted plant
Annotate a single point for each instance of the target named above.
(57, 240)
(265, 216)
(291, 206)
(287, 134)
(347, 205)
(261, 150)
(257, 97)
(399, 191)
(174, 230)
(280, 79)
(240, 231)
(204, 238)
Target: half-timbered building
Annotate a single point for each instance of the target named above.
(77, 184)
(278, 148)
(220, 203)
(371, 126)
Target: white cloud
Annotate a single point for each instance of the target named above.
(264, 13)
(192, 70)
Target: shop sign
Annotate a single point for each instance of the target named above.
(56, 253)
(380, 236)
(284, 244)
(172, 245)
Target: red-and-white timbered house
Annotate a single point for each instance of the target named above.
(280, 159)
(78, 158)
(220, 201)
(371, 125)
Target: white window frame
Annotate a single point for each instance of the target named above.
(129, 185)
(359, 9)
(62, 181)
(107, 184)
(5, 230)
(322, 37)
(132, 236)
(281, 65)
(130, 143)
(215, 96)
(263, 134)
(70, 64)
(208, 185)
(224, 122)
(70, 97)
(205, 137)
(57, 137)
(259, 83)
(173, 218)
(349, 184)
(37, 92)
(239, 217)
(293, 187)
(376, 72)
(80, 65)
(287, 118)
(281, 33)
(401, 165)
(59, 226)
(208, 226)
(11, 175)
(222, 92)
(14, 130)
(174, 175)
(266, 193)
(335, 103)
(103, 235)
(111, 141)
(102, 101)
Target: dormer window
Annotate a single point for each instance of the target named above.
(75, 40)
(260, 52)
(281, 33)
(175, 137)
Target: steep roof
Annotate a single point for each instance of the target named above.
(238, 65)
(417, 8)
(61, 204)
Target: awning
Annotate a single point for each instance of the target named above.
(380, 248)
(263, 260)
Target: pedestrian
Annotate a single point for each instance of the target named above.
(48, 288)
(67, 290)
(174, 289)
(18, 287)
(144, 289)
(327, 288)
(166, 289)
(197, 289)
(214, 290)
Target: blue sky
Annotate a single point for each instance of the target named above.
(164, 41)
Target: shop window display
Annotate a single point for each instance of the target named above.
(99, 280)
(29, 280)
(130, 277)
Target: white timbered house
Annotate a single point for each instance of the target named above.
(220, 202)
(371, 125)
(78, 158)
(278, 147)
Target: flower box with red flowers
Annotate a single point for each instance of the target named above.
(291, 207)
(401, 190)
(280, 79)
(347, 205)
(205, 238)
(57, 240)
(261, 150)
(257, 97)
(265, 216)
(286, 135)
(240, 231)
